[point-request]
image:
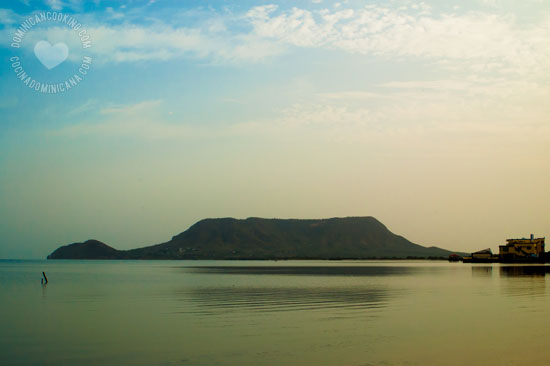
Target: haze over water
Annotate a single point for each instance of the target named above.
(272, 313)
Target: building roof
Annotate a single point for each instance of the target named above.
(484, 251)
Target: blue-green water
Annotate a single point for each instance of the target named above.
(272, 313)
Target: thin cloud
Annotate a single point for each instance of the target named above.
(55, 4)
(471, 42)
(143, 120)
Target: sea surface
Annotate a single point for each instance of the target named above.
(273, 313)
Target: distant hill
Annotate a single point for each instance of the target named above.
(257, 238)
(90, 249)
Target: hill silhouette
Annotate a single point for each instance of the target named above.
(257, 238)
(90, 249)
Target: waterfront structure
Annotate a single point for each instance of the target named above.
(515, 250)
(521, 249)
(482, 256)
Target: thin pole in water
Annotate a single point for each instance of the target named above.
(45, 279)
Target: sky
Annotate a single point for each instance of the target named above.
(431, 116)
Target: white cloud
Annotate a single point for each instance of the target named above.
(143, 120)
(423, 108)
(89, 105)
(117, 120)
(404, 113)
(352, 95)
(55, 4)
(473, 41)
(114, 14)
(130, 43)
(132, 110)
(61, 4)
(491, 3)
(8, 17)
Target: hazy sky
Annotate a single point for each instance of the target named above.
(433, 117)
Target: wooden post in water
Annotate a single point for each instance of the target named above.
(45, 279)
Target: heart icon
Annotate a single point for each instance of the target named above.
(51, 56)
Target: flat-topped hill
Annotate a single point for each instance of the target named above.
(257, 238)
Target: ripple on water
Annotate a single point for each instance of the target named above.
(272, 299)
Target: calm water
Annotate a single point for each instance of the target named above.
(272, 313)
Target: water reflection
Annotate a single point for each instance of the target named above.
(524, 281)
(482, 271)
(44, 291)
(222, 299)
(312, 270)
(532, 271)
(285, 313)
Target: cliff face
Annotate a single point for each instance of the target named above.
(256, 238)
